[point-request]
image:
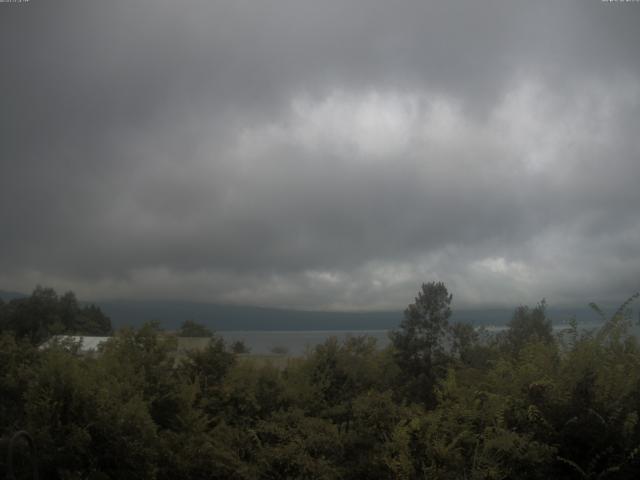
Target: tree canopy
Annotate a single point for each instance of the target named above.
(45, 313)
(189, 328)
(563, 406)
(419, 342)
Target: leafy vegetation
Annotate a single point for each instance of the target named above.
(189, 328)
(441, 402)
(45, 313)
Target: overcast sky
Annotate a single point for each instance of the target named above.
(321, 154)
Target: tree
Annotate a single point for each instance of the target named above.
(529, 325)
(467, 345)
(45, 313)
(91, 321)
(239, 347)
(418, 344)
(208, 366)
(189, 328)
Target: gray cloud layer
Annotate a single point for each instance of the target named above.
(321, 154)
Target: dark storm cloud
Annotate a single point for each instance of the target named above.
(320, 154)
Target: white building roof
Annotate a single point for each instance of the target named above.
(87, 343)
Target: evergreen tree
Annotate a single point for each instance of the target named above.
(418, 344)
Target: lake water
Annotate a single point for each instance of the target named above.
(297, 342)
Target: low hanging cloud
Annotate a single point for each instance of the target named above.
(157, 151)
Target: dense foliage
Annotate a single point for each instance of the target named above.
(45, 313)
(189, 328)
(524, 404)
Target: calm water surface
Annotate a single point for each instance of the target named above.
(297, 342)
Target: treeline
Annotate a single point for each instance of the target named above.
(442, 401)
(45, 313)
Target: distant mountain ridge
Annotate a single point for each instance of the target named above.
(218, 317)
(171, 314)
(8, 296)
